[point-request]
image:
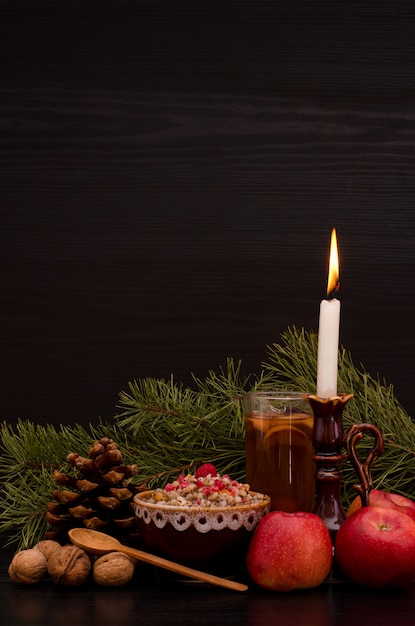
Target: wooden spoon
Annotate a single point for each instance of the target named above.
(100, 543)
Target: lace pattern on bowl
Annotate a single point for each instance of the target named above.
(203, 521)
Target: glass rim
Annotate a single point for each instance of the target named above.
(278, 395)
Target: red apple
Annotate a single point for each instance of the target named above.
(387, 500)
(289, 551)
(375, 547)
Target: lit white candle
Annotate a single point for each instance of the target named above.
(328, 334)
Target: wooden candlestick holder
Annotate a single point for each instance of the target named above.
(329, 440)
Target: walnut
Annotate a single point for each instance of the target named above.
(69, 566)
(113, 569)
(28, 566)
(47, 547)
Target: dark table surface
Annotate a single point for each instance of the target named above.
(158, 597)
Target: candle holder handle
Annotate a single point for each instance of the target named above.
(355, 434)
(328, 441)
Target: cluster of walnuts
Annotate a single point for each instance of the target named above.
(69, 566)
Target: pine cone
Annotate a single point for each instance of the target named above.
(100, 498)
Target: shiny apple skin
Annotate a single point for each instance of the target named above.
(388, 500)
(290, 551)
(375, 547)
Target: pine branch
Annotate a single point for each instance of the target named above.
(29, 455)
(167, 428)
(185, 427)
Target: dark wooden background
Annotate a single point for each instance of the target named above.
(170, 172)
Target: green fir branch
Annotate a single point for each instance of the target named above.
(167, 428)
(185, 427)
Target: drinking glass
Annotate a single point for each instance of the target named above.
(279, 449)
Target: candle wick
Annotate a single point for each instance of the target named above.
(333, 292)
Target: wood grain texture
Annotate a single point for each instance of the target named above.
(169, 176)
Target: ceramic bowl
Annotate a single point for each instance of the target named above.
(198, 535)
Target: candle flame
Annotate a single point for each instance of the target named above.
(333, 281)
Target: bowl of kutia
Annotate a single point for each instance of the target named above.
(201, 520)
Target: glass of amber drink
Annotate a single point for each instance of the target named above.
(279, 449)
